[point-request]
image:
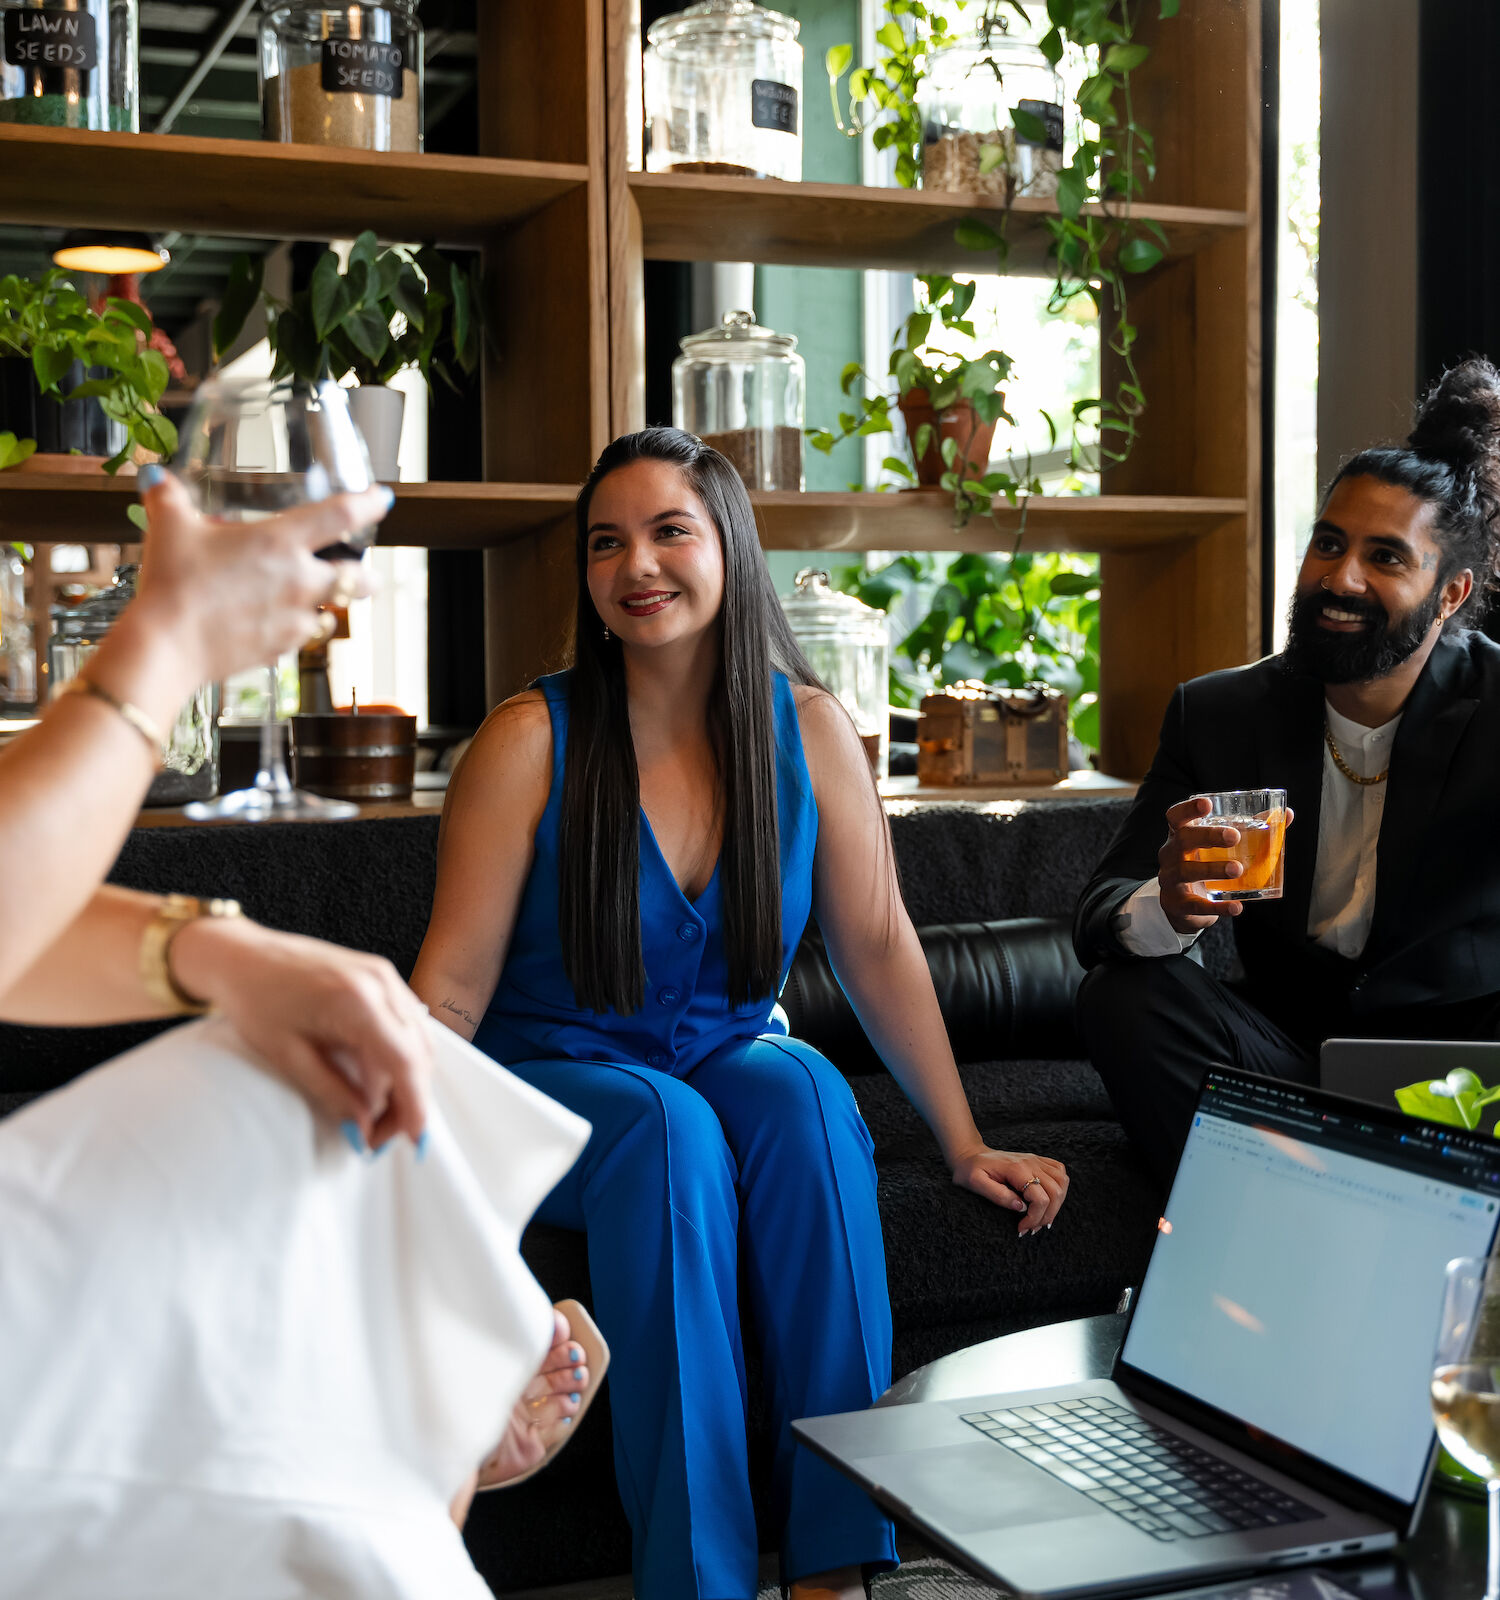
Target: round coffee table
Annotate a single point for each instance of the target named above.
(1444, 1561)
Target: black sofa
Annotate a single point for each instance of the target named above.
(991, 888)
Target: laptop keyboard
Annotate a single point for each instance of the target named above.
(1152, 1479)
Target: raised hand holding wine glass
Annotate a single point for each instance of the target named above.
(253, 448)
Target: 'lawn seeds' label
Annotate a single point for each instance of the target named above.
(773, 105)
(34, 38)
(363, 66)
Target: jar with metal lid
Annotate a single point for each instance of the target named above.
(992, 118)
(847, 644)
(70, 64)
(742, 388)
(190, 761)
(723, 81)
(348, 75)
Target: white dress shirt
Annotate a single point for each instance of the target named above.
(1343, 893)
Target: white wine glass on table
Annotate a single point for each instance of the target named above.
(251, 448)
(1466, 1384)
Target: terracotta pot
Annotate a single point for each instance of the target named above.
(958, 422)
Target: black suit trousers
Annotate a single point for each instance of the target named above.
(1154, 1025)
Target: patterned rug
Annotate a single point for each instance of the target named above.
(925, 1578)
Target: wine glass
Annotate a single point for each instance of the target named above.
(252, 447)
(1466, 1384)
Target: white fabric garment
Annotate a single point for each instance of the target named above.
(238, 1360)
(1343, 893)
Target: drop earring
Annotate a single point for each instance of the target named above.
(606, 633)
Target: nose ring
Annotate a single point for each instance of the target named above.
(1323, 582)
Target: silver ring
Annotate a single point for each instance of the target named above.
(1025, 1186)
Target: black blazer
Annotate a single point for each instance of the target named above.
(1435, 937)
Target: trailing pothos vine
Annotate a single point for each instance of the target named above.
(1097, 243)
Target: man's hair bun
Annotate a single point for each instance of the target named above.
(1459, 423)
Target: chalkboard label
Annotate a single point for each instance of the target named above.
(773, 105)
(363, 66)
(1050, 116)
(51, 39)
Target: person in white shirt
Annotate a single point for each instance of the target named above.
(1381, 720)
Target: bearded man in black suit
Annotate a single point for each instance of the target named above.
(1381, 720)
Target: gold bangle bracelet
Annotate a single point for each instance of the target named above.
(168, 920)
(137, 718)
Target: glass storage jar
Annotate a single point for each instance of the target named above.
(69, 64)
(847, 644)
(348, 75)
(17, 638)
(723, 82)
(992, 118)
(741, 388)
(190, 761)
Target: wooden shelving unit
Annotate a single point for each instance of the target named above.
(1178, 526)
(565, 227)
(922, 519)
(692, 218)
(61, 177)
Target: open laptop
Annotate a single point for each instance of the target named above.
(1373, 1069)
(1269, 1404)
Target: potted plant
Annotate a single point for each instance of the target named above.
(1097, 242)
(76, 385)
(382, 312)
(951, 403)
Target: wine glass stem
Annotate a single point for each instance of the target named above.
(1492, 1569)
(272, 774)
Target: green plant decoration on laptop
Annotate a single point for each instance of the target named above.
(1457, 1100)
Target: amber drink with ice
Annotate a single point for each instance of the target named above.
(1259, 816)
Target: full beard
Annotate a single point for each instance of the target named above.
(1377, 650)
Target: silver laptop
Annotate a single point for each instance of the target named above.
(1269, 1404)
(1373, 1069)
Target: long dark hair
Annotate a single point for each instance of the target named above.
(1451, 459)
(599, 915)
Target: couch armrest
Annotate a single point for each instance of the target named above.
(1005, 988)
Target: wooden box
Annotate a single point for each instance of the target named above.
(982, 733)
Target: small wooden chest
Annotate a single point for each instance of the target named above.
(981, 733)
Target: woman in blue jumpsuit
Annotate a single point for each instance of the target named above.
(719, 1143)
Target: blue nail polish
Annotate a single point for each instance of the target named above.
(577, 1374)
(389, 493)
(575, 1398)
(422, 1145)
(148, 477)
(575, 1354)
(356, 1140)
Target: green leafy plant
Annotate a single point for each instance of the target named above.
(1097, 242)
(919, 362)
(14, 451)
(385, 311)
(1004, 619)
(1457, 1100)
(47, 321)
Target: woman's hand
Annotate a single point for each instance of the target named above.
(1036, 1185)
(232, 595)
(338, 1025)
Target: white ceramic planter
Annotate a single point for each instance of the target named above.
(377, 413)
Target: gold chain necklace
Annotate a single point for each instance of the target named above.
(1346, 769)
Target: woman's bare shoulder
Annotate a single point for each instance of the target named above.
(511, 755)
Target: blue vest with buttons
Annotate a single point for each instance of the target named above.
(686, 1015)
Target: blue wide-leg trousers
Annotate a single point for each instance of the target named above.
(757, 1154)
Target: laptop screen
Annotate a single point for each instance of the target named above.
(1297, 1275)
